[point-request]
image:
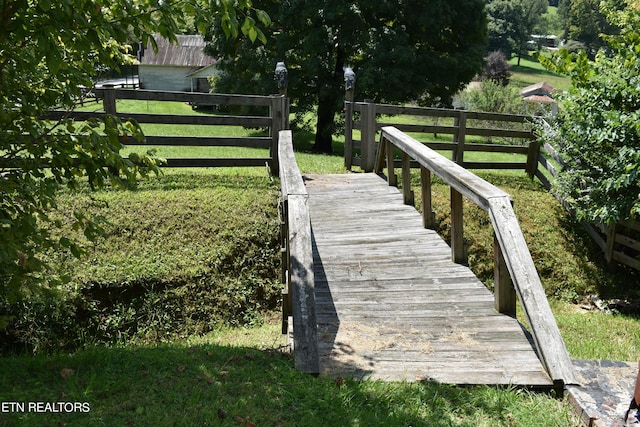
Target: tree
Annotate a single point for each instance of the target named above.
(512, 22)
(49, 52)
(496, 68)
(414, 50)
(598, 132)
(585, 22)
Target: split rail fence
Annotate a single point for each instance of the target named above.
(275, 118)
(464, 128)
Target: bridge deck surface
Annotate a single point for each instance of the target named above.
(391, 304)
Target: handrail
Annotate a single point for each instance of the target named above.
(299, 294)
(510, 247)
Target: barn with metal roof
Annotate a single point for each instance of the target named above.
(181, 66)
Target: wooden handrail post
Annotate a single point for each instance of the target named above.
(349, 85)
(504, 293)
(368, 135)
(109, 99)
(428, 220)
(458, 253)
(407, 193)
(391, 172)
(278, 107)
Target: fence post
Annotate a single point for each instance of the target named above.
(349, 86)
(460, 122)
(610, 243)
(407, 193)
(279, 114)
(532, 158)
(368, 138)
(109, 99)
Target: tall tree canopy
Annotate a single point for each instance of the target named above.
(598, 130)
(512, 22)
(49, 52)
(422, 51)
(585, 22)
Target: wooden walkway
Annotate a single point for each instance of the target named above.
(390, 303)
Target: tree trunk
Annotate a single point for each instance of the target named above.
(328, 107)
(324, 126)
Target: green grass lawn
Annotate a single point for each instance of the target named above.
(531, 72)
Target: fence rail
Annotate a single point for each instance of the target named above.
(513, 262)
(461, 124)
(275, 119)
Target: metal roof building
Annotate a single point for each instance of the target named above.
(182, 66)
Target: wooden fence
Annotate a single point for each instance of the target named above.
(620, 242)
(462, 125)
(275, 119)
(513, 262)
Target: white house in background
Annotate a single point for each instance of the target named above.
(180, 67)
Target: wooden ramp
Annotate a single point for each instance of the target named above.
(390, 303)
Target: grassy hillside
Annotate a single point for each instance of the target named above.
(531, 72)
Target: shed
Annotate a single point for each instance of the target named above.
(541, 94)
(182, 66)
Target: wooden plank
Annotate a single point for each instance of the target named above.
(185, 162)
(391, 304)
(290, 177)
(202, 141)
(182, 119)
(300, 259)
(302, 279)
(190, 97)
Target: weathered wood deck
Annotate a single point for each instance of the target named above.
(391, 304)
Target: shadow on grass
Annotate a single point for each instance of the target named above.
(221, 385)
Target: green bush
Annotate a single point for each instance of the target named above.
(597, 131)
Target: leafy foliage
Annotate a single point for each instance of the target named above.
(418, 51)
(598, 131)
(585, 22)
(493, 97)
(496, 68)
(49, 53)
(511, 23)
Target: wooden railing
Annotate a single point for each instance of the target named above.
(513, 262)
(460, 124)
(297, 261)
(275, 119)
